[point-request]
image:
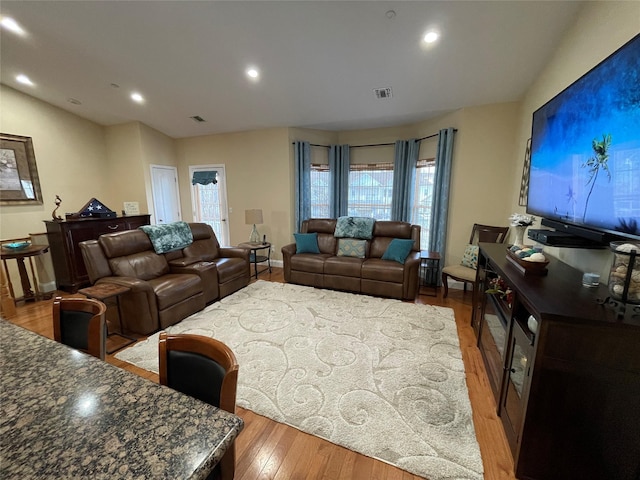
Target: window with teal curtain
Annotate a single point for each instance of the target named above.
(204, 177)
(423, 199)
(320, 190)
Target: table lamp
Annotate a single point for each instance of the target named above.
(253, 217)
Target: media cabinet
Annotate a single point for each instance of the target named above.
(568, 390)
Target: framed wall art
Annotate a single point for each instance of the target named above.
(19, 182)
(524, 183)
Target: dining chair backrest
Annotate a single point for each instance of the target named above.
(81, 324)
(488, 234)
(206, 369)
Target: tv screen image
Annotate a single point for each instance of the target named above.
(585, 149)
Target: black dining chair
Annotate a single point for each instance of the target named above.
(206, 369)
(80, 323)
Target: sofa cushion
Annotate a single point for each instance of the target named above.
(343, 266)
(378, 269)
(354, 227)
(398, 250)
(174, 288)
(309, 262)
(205, 244)
(145, 265)
(350, 247)
(230, 268)
(306, 242)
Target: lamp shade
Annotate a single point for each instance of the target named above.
(253, 217)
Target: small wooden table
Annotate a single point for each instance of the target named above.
(102, 292)
(19, 255)
(429, 267)
(255, 258)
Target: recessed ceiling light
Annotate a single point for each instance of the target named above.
(253, 73)
(136, 97)
(24, 80)
(10, 24)
(431, 37)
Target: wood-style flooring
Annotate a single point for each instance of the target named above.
(270, 450)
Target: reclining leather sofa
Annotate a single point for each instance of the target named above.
(369, 275)
(165, 288)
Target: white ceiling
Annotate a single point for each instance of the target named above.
(320, 61)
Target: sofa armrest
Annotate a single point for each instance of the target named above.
(138, 307)
(184, 261)
(287, 252)
(237, 252)
(411, 282)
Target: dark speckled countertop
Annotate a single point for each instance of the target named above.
(64, 414)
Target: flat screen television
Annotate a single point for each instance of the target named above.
(584, 176)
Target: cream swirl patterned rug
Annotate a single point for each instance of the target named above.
(381, 377)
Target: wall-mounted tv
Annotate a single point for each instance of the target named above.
(585, 151)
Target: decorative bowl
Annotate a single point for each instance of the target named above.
(16, 245)
(539, 268)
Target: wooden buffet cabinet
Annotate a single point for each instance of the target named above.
(64, 237)
(568, 391)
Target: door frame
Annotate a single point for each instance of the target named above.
(152, 207)
(219, 167)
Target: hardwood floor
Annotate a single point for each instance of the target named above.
(269, 450)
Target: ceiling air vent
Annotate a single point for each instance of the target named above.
(198, 119)
(383, 92)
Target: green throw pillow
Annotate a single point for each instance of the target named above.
(398, 250)
(306, 242)
(470, 257)
(348, 247)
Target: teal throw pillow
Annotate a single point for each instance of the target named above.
(470, 257)
(398, 250)
(348, 247)
(306, 242)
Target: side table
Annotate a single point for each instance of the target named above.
(255, 258)
(429, 266)
(19, 255)
(103, 292)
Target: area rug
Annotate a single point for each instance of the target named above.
(381, 377)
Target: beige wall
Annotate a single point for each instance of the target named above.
(258, 175)
(70, 157)
(601, 28)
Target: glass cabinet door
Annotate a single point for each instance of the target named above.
(518, 370)
(492, 341)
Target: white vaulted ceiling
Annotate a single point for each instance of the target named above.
(319, 61)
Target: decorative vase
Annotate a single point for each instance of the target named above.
(519, 240)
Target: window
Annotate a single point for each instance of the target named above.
(423, 198)
(370, 193)
(370, 190)
(319, 190)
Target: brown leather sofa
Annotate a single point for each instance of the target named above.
(165, 288)
(370, 275)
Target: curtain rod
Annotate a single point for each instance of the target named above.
(375, 144)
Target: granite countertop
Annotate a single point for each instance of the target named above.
(65, 414)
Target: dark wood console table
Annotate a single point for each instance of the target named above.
(64, 236)
(565, 373)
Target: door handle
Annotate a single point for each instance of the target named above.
(223, 219)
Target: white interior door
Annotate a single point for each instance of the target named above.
(166, 196)
(210, 202)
